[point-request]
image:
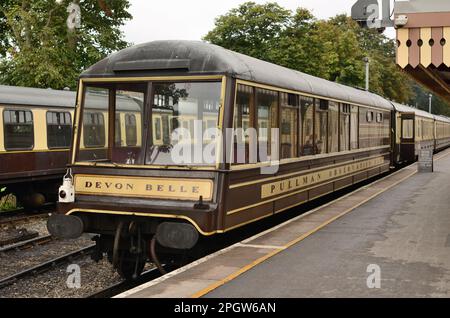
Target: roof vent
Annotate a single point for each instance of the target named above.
(152, 65)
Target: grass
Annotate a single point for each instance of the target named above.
(7, 202)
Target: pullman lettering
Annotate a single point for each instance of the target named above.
(312, 179)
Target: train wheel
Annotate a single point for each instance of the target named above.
(130, 265)
(129, 248)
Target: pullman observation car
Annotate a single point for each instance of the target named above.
(138, 198)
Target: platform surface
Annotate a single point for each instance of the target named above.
(400, 224)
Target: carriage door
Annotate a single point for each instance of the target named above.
(407, 140)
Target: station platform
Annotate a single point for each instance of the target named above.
(397, 227)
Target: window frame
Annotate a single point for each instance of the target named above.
(104, 145)
(5, 125)
(117, 120)
(324, 107)
(301, 117)
(71, 128)
(369, 112)
(345, 109)
(337, 112)
(273, 117)
(352, 113)
(411, 129)
(296, 144)
(127, 117)
(379, 118)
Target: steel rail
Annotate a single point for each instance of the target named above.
(46, 266)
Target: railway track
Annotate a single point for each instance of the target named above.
(26, 212)
(15, 230)
(15, 221)
(27, 244)
(46, 266)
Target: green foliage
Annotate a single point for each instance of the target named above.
(332, 49)
(251, 28)
(38, 50)
(8, 203)
(421, 101)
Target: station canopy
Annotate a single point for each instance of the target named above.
(423, 43)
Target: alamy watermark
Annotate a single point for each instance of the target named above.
(74, 278)
(369, 12)
(200, 147)
(74, 18)
(374, 278)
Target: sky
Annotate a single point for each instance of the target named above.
(192, 19)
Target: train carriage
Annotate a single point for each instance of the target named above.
(36, 133)
(442, 132)
(35, 137)
(414, 131)
(327, 136)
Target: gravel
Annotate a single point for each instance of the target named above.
(53, 284)
(39, 225)
(15, 261)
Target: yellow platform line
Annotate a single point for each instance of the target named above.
(246, 268)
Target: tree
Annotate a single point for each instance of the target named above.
(38, 50)
(251, 29)
(332, 49)
(301, 47)
(421, 101)
(385, 77)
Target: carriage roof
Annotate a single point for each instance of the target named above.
(25, 96)
(408, 109)
(199, 58)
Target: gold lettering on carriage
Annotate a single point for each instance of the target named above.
(321, 176)
(161, 188)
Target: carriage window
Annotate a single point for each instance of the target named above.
(94, 130)
(386, 130)
(408, 129)
(321, 126)
(354, 124)
(267, 112)
(242, 121)
(364, 128)
(157, 129)
(289, 125)
(129, 108)
(344, 127)
(176, 103)
(333, 127)
(59, 129)
(379, 118)
(307, 115)
(131, 130)
(19, 129)
(118, 131)
(369, 116)
(171, 105)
